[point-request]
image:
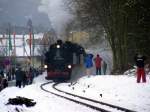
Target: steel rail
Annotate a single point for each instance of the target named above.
(73, 100)
(95, 101)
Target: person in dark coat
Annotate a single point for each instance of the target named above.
(98, 61)
(88, 63)
(4, 83)
(31, 75)
(2, 73)
(13, 73)
(147, 68)
(104, 67)
(24, 78)
(8, 75)
(19, 77)
(140, 62)
(1, 82)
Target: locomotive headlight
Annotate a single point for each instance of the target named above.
(45, 66)
(69, 66)
(58, 46)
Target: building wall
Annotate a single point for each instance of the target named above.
(79, 37)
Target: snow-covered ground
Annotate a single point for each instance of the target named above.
(121, 90)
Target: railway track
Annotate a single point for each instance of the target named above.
(97, 105)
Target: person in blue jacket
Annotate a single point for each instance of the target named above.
(88, 63)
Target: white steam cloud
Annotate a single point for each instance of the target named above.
(58, 14)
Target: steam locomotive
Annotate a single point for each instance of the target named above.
(61, 58)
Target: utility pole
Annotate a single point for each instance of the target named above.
(14, 51)
(30, 29)
(9, 51)
(33, 47)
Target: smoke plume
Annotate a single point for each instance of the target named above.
(58, 14)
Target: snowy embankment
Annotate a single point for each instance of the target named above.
(121, 90)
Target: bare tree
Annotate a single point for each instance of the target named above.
(121, 20)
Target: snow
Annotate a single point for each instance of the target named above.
(120, 90)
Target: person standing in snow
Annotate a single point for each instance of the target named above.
(2, 73)
(147, 68)
(140, 62)
(19, 77)
(88, 63)
(98, 61)
(1, 82)
(104, 67)
(24, 78)
(4, 83)
(13, 73)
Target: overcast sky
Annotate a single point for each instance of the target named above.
(19, 11)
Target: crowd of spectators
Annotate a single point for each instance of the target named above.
(21, 76)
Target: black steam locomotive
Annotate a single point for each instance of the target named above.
(61, 59)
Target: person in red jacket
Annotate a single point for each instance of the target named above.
(98, 61)
(140, 63)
